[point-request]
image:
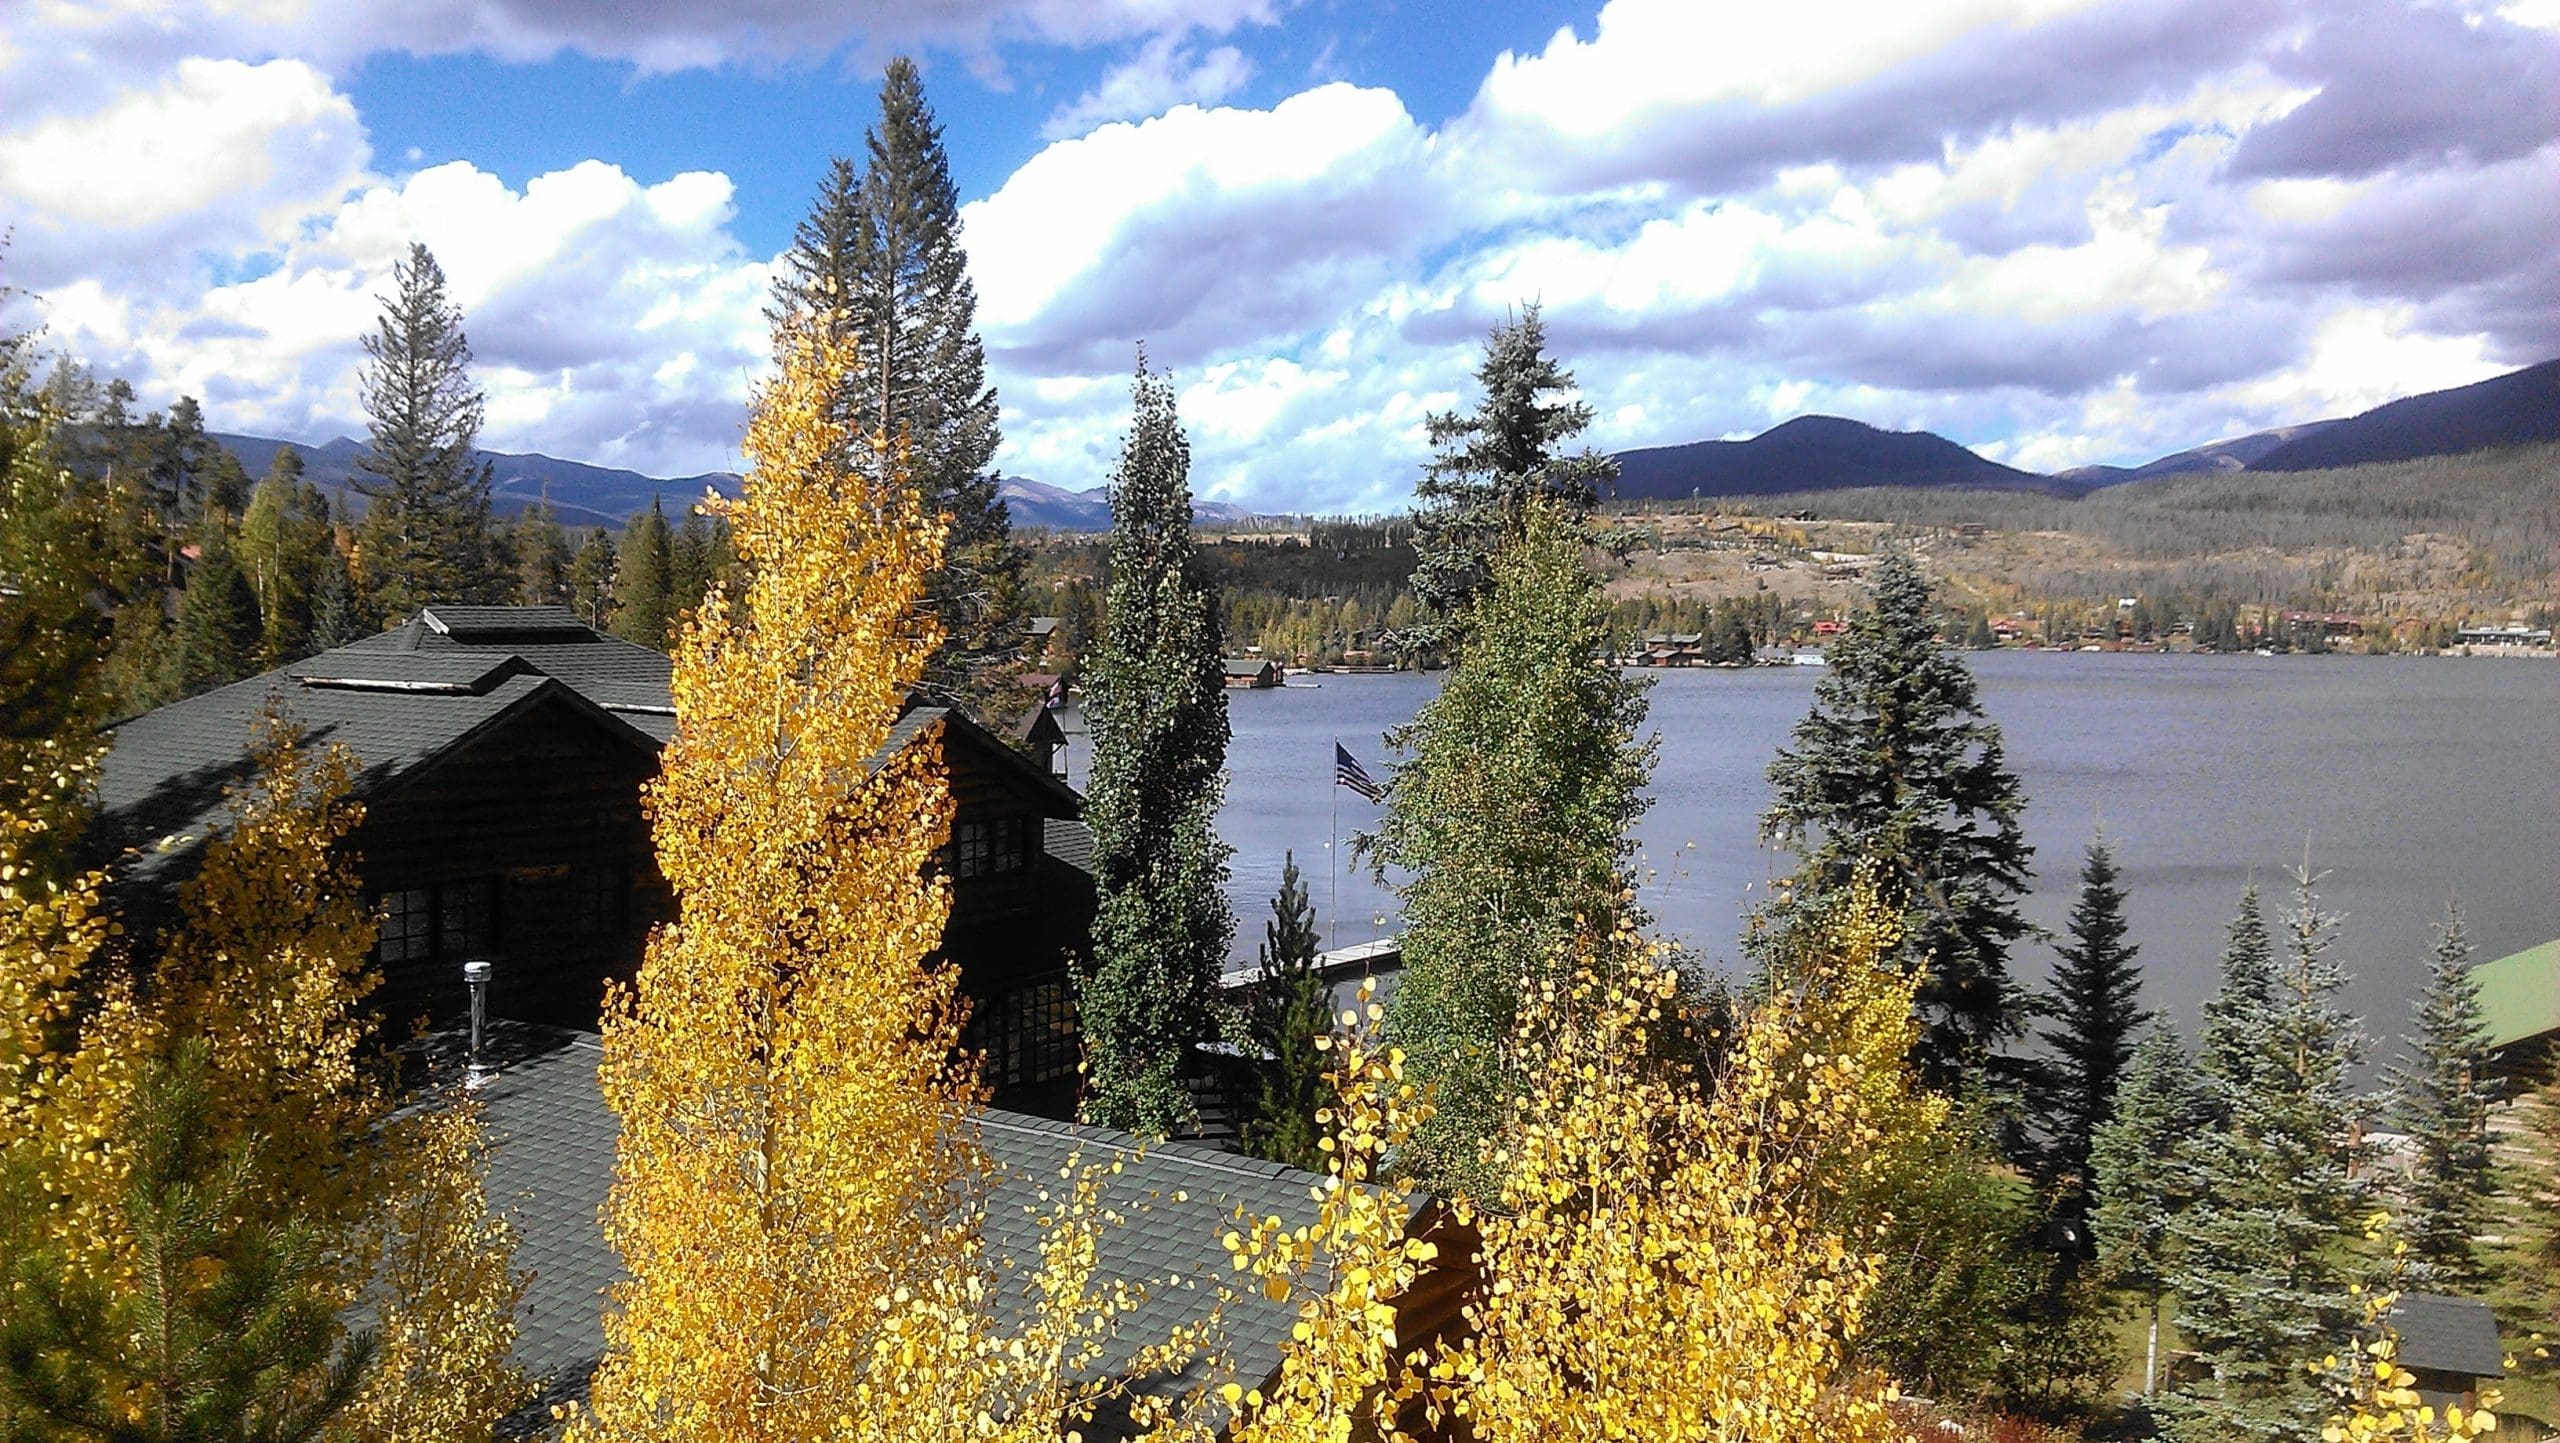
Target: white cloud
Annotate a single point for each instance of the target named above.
(215, 155)
(1164, 73)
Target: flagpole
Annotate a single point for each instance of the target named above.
(1332, 848)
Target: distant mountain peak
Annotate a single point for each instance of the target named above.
(1811, 453)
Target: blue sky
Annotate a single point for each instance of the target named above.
(2060, 231)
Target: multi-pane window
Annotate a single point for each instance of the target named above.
(408, 925)
(1028, 1034)
(453, 919)
(987, 847)
(600, 901)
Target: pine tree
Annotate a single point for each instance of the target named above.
(2137, 1187)
(643, 605)
(591, 578)
(54, 552)
(426, 535)
(880, 256)
(229, 1331)
(542, 557)
(1474, 495)
(2094, 1002)
(2231, 1049)
(219, 631)
(1896, 765)
(1292, 1008)
(338, 613)
(689, 560)
(286, 545)
(1511, 813)
(2261, 1288)
(2441, 1100)
(1158, 709)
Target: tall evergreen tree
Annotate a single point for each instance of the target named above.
(542, 557)
(2137, 1187)
(1474, 494)
(2257, 1270)
(1511, 813)
(1896, 766)
(426, 534)
(286, 544)
(2094, 1003)
(1158, 706)
(591, 578)
(1292, 1008)
(219, 631)
(2440, 1098)
(880, 252)
(689, 562)
(338, 614)
(643, 604)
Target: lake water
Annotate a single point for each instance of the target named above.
(2414, 778)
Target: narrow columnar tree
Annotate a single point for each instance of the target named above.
(1474, 496)
(2258, 1269)
(879, 258)
(2137, 1185)
(1291, 1015)
(1511, 813)
(2095, 1007)
(1158, 707)
(795, 1181)
(219, 632)
(1896, 765)
(591, 579)
(643, 601)
(426, 535)
(2441, 1100)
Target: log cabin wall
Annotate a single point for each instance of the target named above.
(526, 847)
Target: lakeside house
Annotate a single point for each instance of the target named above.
(2520, 998)
(1252, 672)
(501, 754)
(2512, 635)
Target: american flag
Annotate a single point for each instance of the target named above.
(1347, 772)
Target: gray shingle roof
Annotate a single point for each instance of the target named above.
(1069, 842)
(551, 1162)
(397, 701)
(2453, 1335)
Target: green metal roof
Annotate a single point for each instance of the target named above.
(2521, 994)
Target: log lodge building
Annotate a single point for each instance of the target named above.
(501, 753)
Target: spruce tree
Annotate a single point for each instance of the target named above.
(2136, 1185)
(1291, 1009)
(1511, 813)
(1896, 768)
(2261, 1286)
(338, 613)
(880, 252)
(591, 579)
(426, 534)
(2094, 1003)
(228, 1333)
(219, 632)
(644, 606)
(1474, 494)
(1158, 707)
(2441, 1100)
(542, 557)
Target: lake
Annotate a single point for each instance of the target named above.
(2414, 779)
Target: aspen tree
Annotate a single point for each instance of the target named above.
(1666, 1262)
(795, 1181)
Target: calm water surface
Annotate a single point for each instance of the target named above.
(2414, 778)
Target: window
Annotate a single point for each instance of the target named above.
(1028, 1034)
(599, 902)
(987, 847)
(408, 926)
(453, 919)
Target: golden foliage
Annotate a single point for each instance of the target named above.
(796, 1182)
(2380, 1401)
(1669, 1261)
(1339, 1371)
(441, 1372)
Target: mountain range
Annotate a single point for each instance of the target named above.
(1809, 453)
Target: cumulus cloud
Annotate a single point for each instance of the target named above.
(1163, 74)
(2064, 231)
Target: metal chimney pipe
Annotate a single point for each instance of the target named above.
(475, 976)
